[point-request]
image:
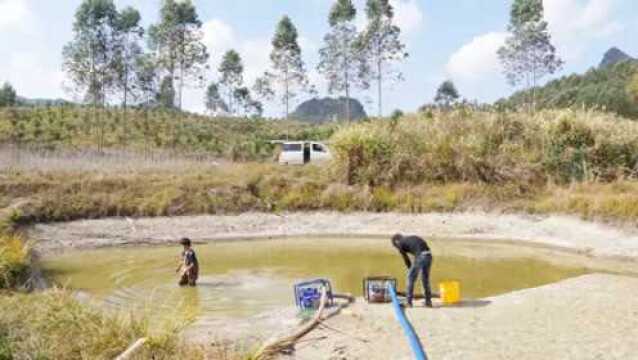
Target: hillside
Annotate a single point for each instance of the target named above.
(22, 101)
(68, 127)
(603, 87)
(328, 109)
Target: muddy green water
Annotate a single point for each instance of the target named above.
(246, 277)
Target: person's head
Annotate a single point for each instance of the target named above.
(396, 238)
(186, 242)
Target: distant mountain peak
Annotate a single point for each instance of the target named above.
(328, 109)
(614, 56)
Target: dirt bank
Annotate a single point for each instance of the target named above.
(559, 231)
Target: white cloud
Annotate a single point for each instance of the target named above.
(574, 23)
(219, 37)
(32, 78)
(477, 58)
(475, 67)
(13, 13)
(408, 15)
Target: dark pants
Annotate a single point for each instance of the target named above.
(189, 278)
(422, 264)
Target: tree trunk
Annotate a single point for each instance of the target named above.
(287, 94)
(380, 84)
(347, 86)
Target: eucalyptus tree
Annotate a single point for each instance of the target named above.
(213, 100)
(382, 47)
(130, 33)
(91, 58)
(244, 101)
(147, 80)
(528, 54)
(288, 74)
(231, 70)
(166, 94)
(8, 96)
(340, 58)
(446, 94)
(177, 38)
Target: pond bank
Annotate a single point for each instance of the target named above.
(564, 232)
(588, 317)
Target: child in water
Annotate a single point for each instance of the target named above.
(189, 265)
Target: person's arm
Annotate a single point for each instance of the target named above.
(181, 265)
(406, 259)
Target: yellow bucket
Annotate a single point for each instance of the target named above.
(450, 292)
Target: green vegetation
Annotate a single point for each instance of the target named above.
(608, 88)
(149, 131)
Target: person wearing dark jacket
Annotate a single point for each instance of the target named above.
(189, 266)
(422, 263)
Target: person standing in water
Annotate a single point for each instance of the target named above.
(189, 265)
(417, 247)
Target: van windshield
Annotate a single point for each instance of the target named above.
(292, 147)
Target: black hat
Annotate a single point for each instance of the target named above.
(185, 241)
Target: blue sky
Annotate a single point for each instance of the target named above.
(446, 40)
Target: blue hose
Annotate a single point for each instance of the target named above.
(415, 343)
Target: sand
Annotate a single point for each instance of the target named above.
(558, 231)
(590, 317)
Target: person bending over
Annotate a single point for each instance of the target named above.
(417, 247)
(189, 265)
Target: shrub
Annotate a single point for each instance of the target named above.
(14, 261)
(486, 147)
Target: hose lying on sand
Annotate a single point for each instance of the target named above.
(415, 343)
(272, 349)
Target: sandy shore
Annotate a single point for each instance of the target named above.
(558, 231)
(589, 317)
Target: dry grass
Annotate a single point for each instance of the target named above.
(53, 325)
(14, 261)
(488, 147)
(13, 159)
(236, 188)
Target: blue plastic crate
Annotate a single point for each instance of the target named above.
(308, 294)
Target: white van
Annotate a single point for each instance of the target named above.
(303, 152)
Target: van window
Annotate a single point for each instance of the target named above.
(318, 148)
(292, 147)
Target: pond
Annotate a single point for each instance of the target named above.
(241, 278)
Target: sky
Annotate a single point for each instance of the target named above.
(446, 39)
